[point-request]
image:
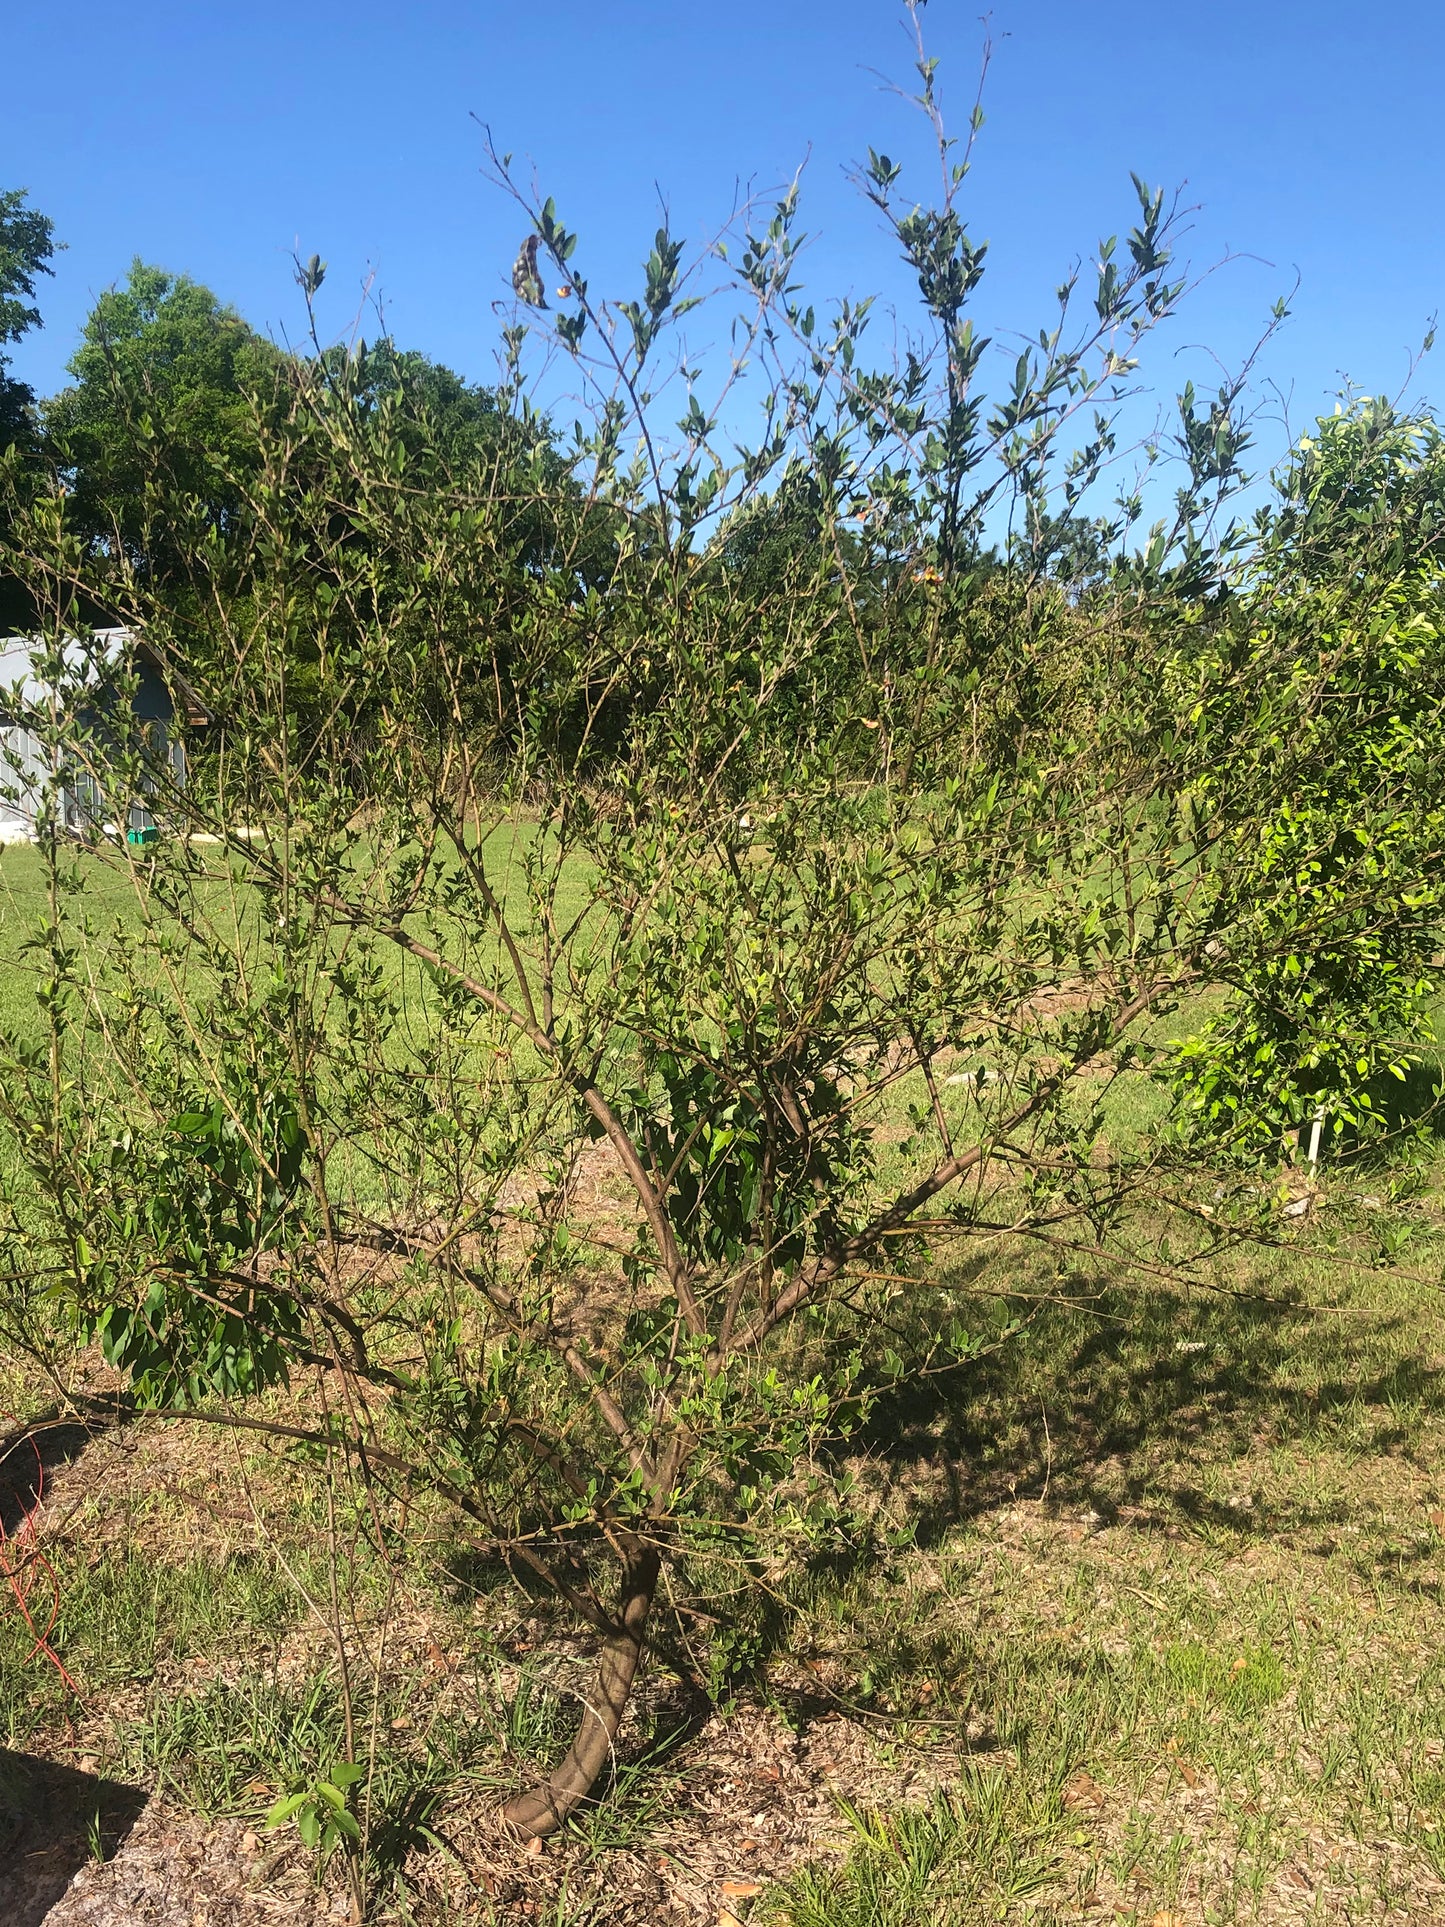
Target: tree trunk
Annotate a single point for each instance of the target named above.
(544, 1809)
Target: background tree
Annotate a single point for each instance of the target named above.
(1364, 493)
(163, 403)
(26, 245)
(171, 424)
(27, 242)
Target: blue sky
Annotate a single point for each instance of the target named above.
(213, 139)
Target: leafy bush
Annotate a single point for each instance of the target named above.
(1340, 642)
(579, 1036)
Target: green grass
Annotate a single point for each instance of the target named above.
(973, 1852)
(1177, 1582)
(23, 905)
(108, 895)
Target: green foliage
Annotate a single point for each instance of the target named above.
(1363, 497)
(27, 242)
(1335, 661)
(167, 382)
(321, 1811)
(740, 1182)
(208, 1213)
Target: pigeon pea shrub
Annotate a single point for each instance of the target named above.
(585, 1038)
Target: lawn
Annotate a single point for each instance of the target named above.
(24, 905)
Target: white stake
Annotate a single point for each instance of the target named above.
(1315, 1129)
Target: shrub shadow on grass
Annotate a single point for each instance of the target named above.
(28, 1457)
(53, 1821)
(1118, 1407)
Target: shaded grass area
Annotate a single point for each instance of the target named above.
(1177, 1578)
(1217, 1729)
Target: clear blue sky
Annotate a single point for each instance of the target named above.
(213, 139)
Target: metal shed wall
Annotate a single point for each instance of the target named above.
(25, 763)
(24, 768)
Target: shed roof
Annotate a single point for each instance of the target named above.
(19, 679)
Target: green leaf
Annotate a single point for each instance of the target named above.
(283, 1809)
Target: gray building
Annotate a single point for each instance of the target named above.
(162, 705)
